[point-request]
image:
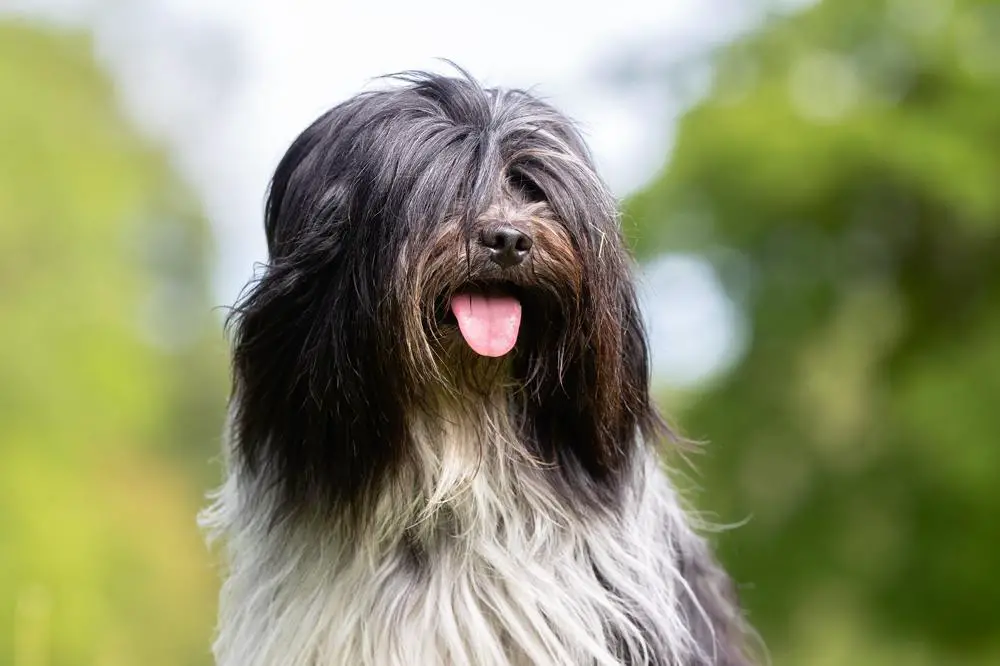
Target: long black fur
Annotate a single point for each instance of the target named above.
(371, 224)
(376, 173)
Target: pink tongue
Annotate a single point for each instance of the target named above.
(488, 323)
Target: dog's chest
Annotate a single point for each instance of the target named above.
(487, 572)
(495, 574)
(478, 564)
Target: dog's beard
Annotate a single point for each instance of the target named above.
(469, 376)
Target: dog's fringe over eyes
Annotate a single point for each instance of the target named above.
(396, 495)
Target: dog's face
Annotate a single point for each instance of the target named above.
(437, 239)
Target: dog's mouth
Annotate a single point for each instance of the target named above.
(488, 317)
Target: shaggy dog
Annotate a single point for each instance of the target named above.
(442, 447)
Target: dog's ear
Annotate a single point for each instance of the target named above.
(593, 401)
(588, 386)
(314, 405)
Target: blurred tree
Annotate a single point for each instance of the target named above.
(111, 372)
(843, 176)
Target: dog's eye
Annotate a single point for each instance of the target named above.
(526, 187)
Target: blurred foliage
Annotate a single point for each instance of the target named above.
(843, 177)
(112, 375)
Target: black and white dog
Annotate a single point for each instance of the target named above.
(442, 446)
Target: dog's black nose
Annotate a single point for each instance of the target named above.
(508, 246)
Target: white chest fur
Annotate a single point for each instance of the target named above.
(472, 560)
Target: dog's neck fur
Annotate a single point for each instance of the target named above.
(472, 558)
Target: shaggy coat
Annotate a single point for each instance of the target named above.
(394, 498)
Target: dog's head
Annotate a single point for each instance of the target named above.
(432, 241)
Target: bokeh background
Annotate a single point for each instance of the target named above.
(813, 189)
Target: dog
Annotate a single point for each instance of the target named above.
(441, 446)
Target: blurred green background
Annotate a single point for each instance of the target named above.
(842, 176)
